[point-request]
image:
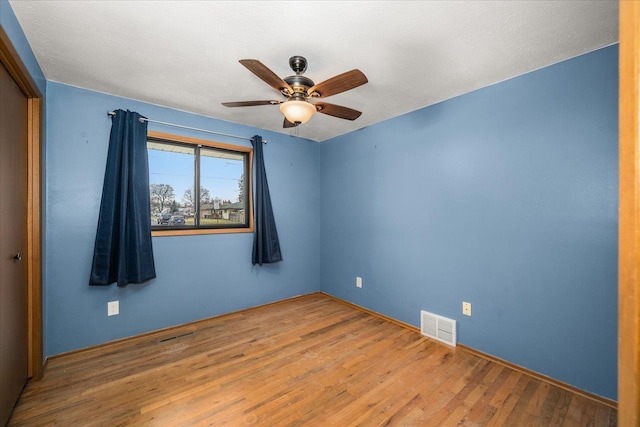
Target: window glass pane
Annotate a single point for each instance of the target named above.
(198, 188)
(222, 188)
(171, 177)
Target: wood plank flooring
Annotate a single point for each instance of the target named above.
(309, 361)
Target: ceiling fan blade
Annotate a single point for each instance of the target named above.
(250, 103)
(337, 111)
(340, 83)
(288, 124)
(268, 76)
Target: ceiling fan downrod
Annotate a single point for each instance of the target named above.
(299, 83)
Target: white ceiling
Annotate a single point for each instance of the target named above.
(184, 54)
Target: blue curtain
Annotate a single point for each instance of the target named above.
(266, 246)
(123, 251)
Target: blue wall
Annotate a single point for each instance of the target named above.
(197, 276)
(505, 197)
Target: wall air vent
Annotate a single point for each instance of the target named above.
(438, 327)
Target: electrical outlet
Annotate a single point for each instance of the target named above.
(358, 282)
(113, 308)
(466, 308)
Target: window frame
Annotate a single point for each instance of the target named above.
(173, 139)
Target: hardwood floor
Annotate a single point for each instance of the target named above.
(309, 361)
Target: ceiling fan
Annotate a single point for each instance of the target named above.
(299, 89)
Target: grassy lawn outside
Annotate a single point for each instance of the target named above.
(212, 221)
(203, 221)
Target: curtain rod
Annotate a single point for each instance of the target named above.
(144, 119)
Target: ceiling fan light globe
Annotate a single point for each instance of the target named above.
(297, 112)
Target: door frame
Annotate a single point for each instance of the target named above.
(629, 218)
(11, 60)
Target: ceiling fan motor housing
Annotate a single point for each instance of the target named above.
(299, 83)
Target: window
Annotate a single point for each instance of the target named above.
(198, 186)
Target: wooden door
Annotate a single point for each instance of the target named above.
(13, 243)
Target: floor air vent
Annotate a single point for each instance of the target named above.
(438, 327)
